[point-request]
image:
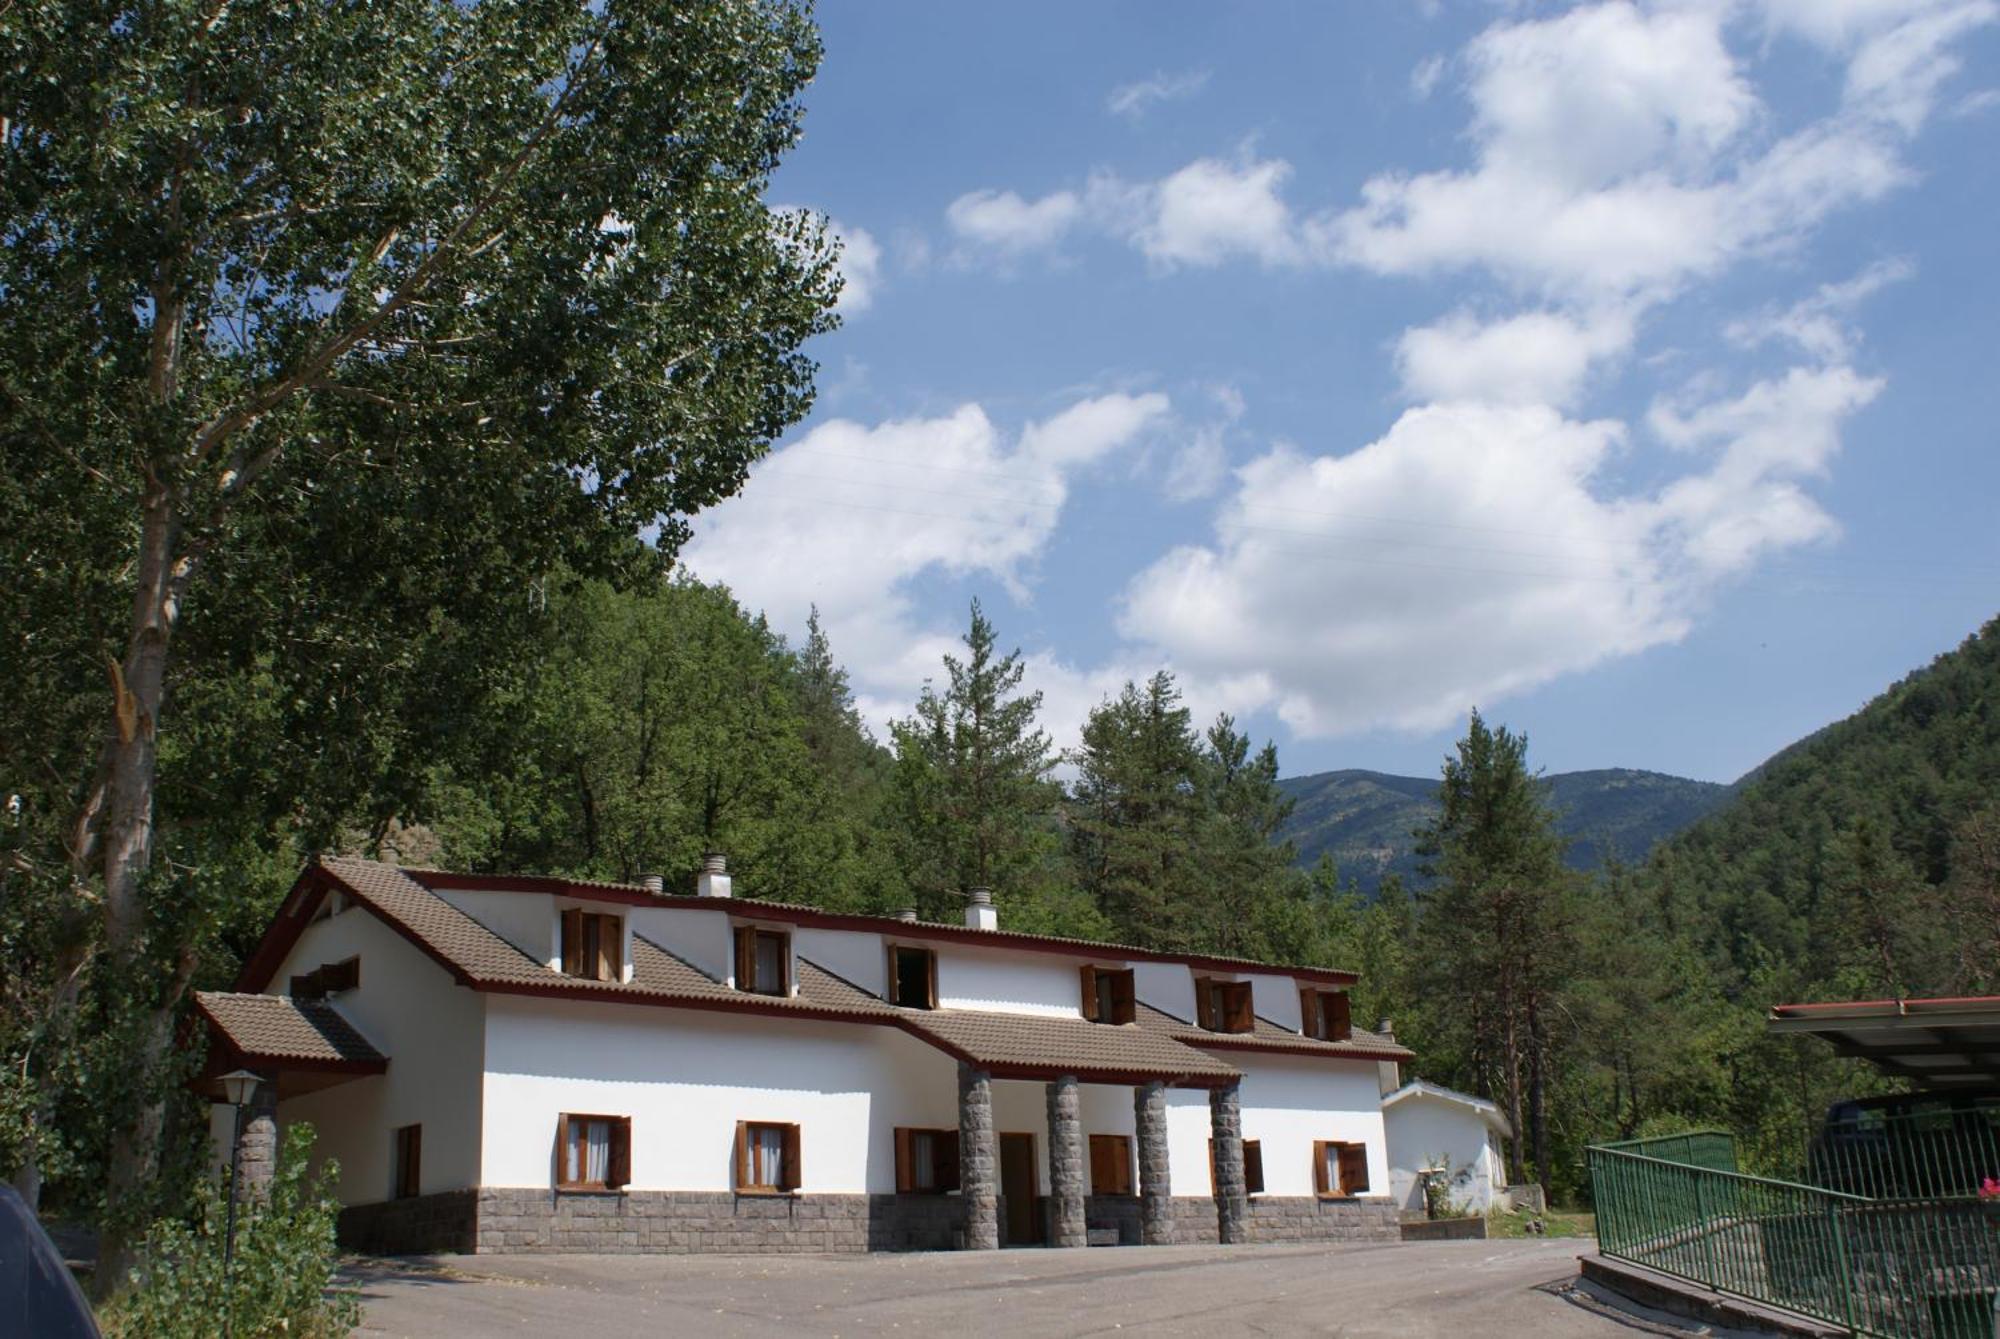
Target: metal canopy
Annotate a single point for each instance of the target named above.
(1938, 1045)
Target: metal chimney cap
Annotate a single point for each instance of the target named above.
(979, 897)
(1387, 1027)
(908, 914)
(714, 863)
(656, 884)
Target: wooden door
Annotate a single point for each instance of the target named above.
(1023, 1223)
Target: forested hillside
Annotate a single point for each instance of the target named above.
(1365, 822)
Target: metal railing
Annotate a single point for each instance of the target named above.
(1903, 1267)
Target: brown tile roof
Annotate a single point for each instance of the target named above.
(276, 1027)
(1268, 1036)
(1038, 1046)
(629, 892)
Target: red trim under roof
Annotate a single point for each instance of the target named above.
(1897, 1006)
(627, 895)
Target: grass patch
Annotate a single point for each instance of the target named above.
(1555, 1223)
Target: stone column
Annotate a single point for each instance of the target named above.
(1156, 1210)
(1066, 1165)
(257, 1145)
(978, 1159)
(1232, 1200)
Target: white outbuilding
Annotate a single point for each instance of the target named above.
(1450, 1135)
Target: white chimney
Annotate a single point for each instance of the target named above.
(979, 912)
(908, 915)
(654, 883)
(713, 881)
(1389, 1074)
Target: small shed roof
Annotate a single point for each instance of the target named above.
(1951, 1043)
(1488, 1111)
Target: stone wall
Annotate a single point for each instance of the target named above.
(1283, 1218)
(424, 1224)
(696, 1222)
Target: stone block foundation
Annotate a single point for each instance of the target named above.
(657, 1222)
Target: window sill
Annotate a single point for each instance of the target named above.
(767, 1192)
(563, 1188)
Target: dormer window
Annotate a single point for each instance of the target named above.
(592, 945)
(1108, 995)
(762, 957)
(912, 977)
(1223, 1006)
(1325, 1014)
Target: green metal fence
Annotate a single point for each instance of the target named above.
(1899, 1267)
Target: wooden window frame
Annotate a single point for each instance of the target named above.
(1116, 1153)
(944, 1161)
(894, 995)
(1124, 1000)
(1253, 1167)
(789, 1177)
(577, 926)
(1332, 1184)
(1225, 1006)
(618, 1168)
(329, 978)
(744, 939)
(1325, 1015)
(407, 1162)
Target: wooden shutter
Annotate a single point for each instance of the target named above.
(930, 978)
(906, 1179)
(1124, 998)
(1204, 1003)
(742, 1158)
(746, 958)
(620, 1171)
(1320, 1187)
(1253, 1167)
(1353, 1169)
(946, 1144)
(562, 1150)
(1089, 975)
(1241, 1015)
(1211, 1167)
(791, 1175)
(572, 942)
(1309, 1017)
(1340, 1015)
(1121, 1152)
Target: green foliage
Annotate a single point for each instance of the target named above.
(279, 1281)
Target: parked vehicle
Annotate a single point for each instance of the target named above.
(37, 1295)
(1908, 1145)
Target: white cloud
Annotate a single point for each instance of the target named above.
(1898, 50)
(860, 267)
(1214, 209)
(1536, 357)
(1819, 324)
(1424, 78)
(1132, 101)
(1475, 551)
(1005, 222)
(849, 514)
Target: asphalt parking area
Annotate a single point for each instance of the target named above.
(1457, 1289)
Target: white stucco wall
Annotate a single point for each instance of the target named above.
(1276, 998)
(695, 934)
(428, 1026)
(525, 920)
(1421, 1129)
(686, 1077)
(860, 958)
(1167, 986)
(1008, 981)
(1288, 1102)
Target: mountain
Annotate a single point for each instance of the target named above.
(1364, 820)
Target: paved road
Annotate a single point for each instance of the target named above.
(1456, 1289)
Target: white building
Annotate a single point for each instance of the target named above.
(510, 1063)
(1453, 1136)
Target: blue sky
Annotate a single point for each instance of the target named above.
(1624, 370)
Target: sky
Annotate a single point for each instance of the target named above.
(1625, 371)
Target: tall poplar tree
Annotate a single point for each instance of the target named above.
(332, 334)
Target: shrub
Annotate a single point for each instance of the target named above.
(279, 1282)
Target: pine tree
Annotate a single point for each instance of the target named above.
(974, 802)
